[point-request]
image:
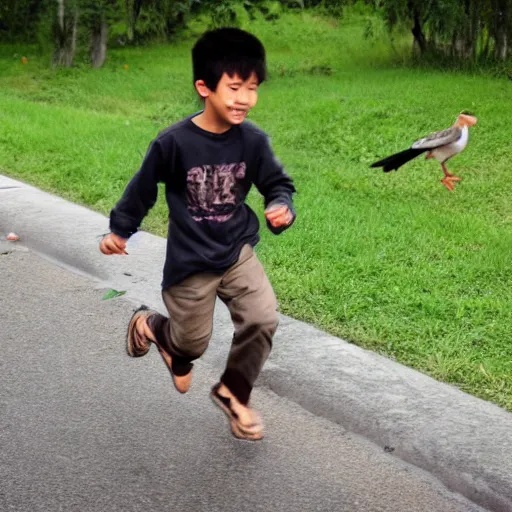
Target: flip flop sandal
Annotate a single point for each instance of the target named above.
(251, 432)
(137, 345)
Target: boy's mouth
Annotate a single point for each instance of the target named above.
(238, 113)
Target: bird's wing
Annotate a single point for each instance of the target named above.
(437, 139)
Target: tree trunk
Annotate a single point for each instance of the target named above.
(501, 28)
(133, 8)
(503, 47)
(453, 46)
(65, 35)
(418, 34)
(99, 39)
(60, 13)
(501, 43)
(484, 43)
(417, 29)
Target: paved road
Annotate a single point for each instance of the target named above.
(432, 425)
(84, 427)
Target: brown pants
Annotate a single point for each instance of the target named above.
(246, 291)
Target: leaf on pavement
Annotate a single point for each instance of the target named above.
(113, 293)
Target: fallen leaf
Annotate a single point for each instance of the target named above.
(113, 293)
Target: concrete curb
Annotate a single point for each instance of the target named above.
(464, 441)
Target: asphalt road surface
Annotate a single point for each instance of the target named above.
(83, 427)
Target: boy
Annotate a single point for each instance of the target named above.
(208, 163)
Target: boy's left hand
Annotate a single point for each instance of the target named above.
(279, 215)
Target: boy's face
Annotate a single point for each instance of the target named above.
(232, 99)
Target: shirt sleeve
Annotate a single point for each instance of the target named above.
(140, 194)
(273, 183)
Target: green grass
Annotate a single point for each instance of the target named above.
(392, 262)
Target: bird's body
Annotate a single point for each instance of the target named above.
(443, 153)
(441, 145)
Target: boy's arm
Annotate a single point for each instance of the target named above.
(277, 189)
(140, 194)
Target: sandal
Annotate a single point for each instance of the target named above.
(252, 431)
(138, 345)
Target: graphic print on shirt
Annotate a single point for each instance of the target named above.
(212, 191)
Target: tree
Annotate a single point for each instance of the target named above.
(464, 29)
(460, 29)
(19, 19)
(133, 8)
(65, 31)
(99, 38)
(97, 16)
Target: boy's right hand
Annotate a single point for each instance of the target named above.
(113, 244)
(279, 215)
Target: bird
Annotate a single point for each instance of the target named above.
(441, 145)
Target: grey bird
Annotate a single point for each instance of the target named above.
(441, 145)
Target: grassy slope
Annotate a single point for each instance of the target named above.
(392, 262)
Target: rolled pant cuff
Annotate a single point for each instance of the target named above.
(237, 384)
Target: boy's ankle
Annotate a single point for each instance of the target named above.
(225, 391)
(236, 404)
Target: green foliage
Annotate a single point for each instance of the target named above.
(118, 32)
(445, 31)
(326, 7)
(18, 19)
(227, 13)
(161, 19)
(293, 3)
(238, 13)
(271, 10)
(465, 30)
(44, 30)
(128, 21)
(150, 24)
(92, 11)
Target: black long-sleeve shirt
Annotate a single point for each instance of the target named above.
(207, 177)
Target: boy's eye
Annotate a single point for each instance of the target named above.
(234, 87)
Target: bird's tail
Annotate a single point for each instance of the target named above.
(398, 159)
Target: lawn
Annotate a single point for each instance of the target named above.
(392, 262)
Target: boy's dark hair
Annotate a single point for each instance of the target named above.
(228, 50)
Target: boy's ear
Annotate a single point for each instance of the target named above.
(202, 88)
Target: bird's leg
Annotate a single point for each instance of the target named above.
(449, 178)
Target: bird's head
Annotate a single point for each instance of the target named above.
(466, 118)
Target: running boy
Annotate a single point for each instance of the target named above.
(208, 162)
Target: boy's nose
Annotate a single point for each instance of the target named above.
(243, 97)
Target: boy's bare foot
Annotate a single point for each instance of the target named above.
(245, 422)
(139, 340)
